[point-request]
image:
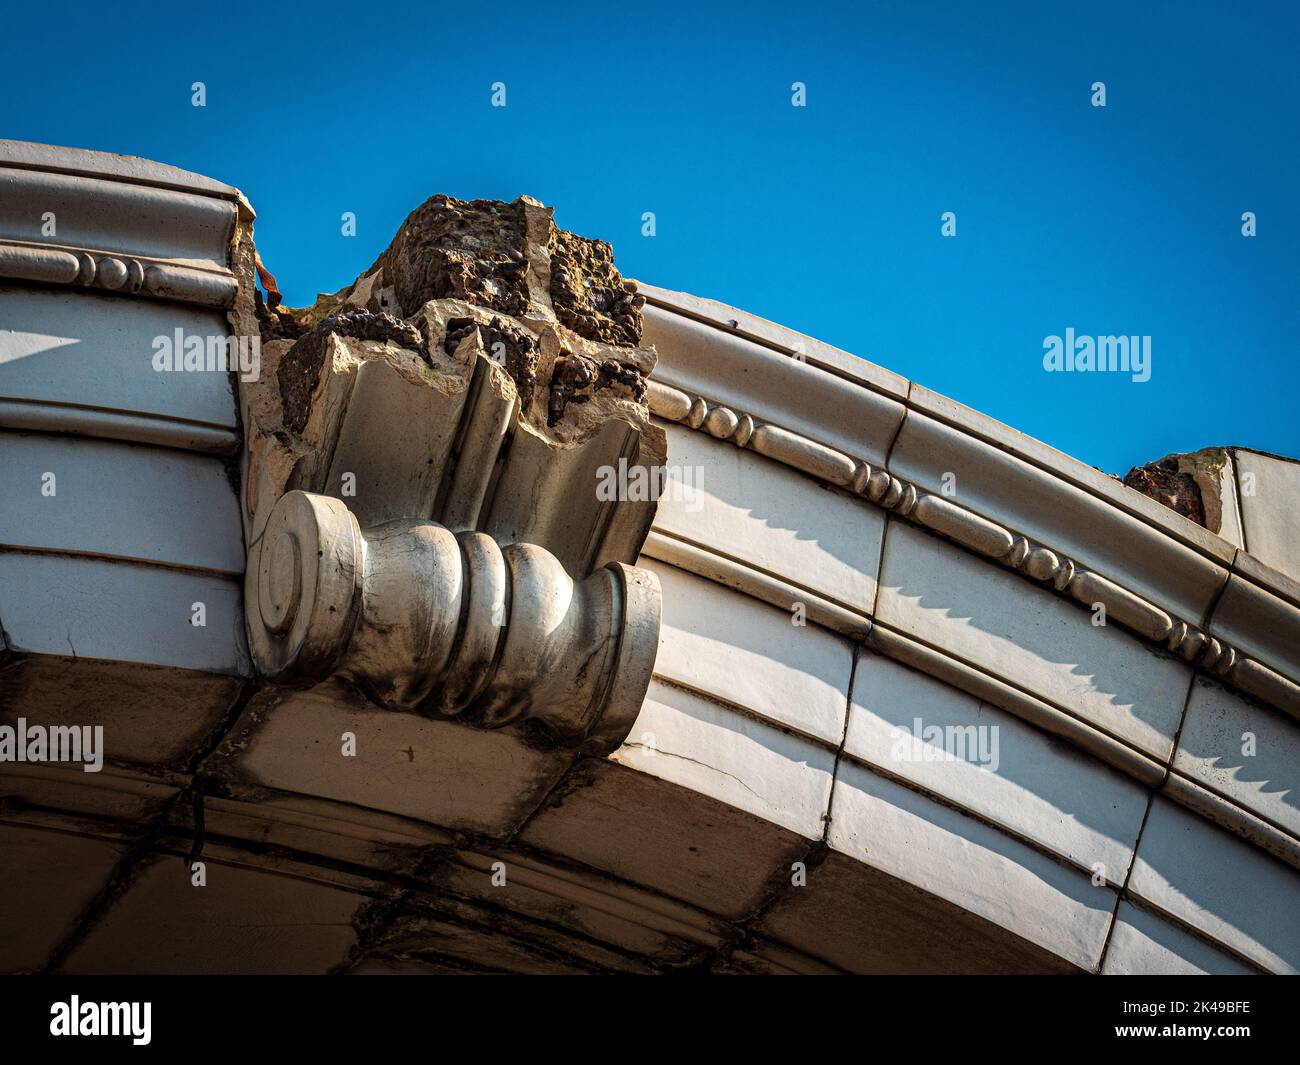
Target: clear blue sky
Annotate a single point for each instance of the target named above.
(1121, 220)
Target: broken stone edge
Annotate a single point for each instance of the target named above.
(442, 597)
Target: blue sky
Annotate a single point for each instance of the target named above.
(1117, 220)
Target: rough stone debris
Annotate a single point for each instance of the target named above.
(563, 311)
(510, 346)
(1167, 483)
(588, 294)
(474, 251)
(1202, 485)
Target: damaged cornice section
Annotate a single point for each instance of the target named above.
(1190, 484)
(420, 470)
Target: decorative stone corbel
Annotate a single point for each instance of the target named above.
(421, 617)
(420, 492)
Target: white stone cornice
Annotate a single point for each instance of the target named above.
(114, 235)
(993, 540)
(114, 166)
(76, 420)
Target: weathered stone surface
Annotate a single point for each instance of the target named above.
(987, 874)
(151, 714)
(588, 294)
(457, 310)
(74, 605)
(1112, 535)
(1247, 497)
(453, 249)
(1032, 638)
(299, 371)
(640, 923)
(82, 363)
(665, 836)
(1142, 944)
(993, 764)
(736, 503)
(518, 351)
(1246, 752)
(1217, 884)
(748, 654)
(1269, 490)
(457, 625)
(146, 505)
(577, 379)
(434, 770)
(684, 738)
(162, 924)
(506, 258)
(441, 384)
(863, 919)
(47, 879)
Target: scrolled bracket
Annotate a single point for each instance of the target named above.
(450, 624)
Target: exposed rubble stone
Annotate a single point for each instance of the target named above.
(473, 251)
(299, 369)
(577, 378)
(518, 353)
(455, 249)
(1188, 484)
(288, 323)
(588, 294)
(481, 278)
(1163, 483)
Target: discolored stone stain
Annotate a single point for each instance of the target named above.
(588, 294)
(537, 735)
(463, 250)
(299, 370)
(583, 774)
(519, 353)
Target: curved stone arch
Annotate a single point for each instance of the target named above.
(776, 805)
(1177, 775)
